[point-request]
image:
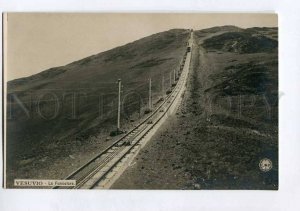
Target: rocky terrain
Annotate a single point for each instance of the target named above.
(61, 117)
(227, 122)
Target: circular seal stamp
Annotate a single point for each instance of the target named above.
(265, 164)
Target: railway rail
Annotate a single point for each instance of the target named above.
(100, 168)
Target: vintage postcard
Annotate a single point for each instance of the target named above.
(184, 101)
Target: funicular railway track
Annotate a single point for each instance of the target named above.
(95, 172)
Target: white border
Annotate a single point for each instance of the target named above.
(289, 188)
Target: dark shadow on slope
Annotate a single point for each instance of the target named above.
(240, 42)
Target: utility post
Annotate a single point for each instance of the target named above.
(174, 75)
(171, 79)
(150, 98)
(119, 105)
(163, 86)
(180, 69)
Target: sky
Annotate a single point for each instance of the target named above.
(39, 41)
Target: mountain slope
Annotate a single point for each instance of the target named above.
(64, 108)
(107, 65)
(251, 40)
(227, 123)
(242, 42)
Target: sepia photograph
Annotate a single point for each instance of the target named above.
(177, 101)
